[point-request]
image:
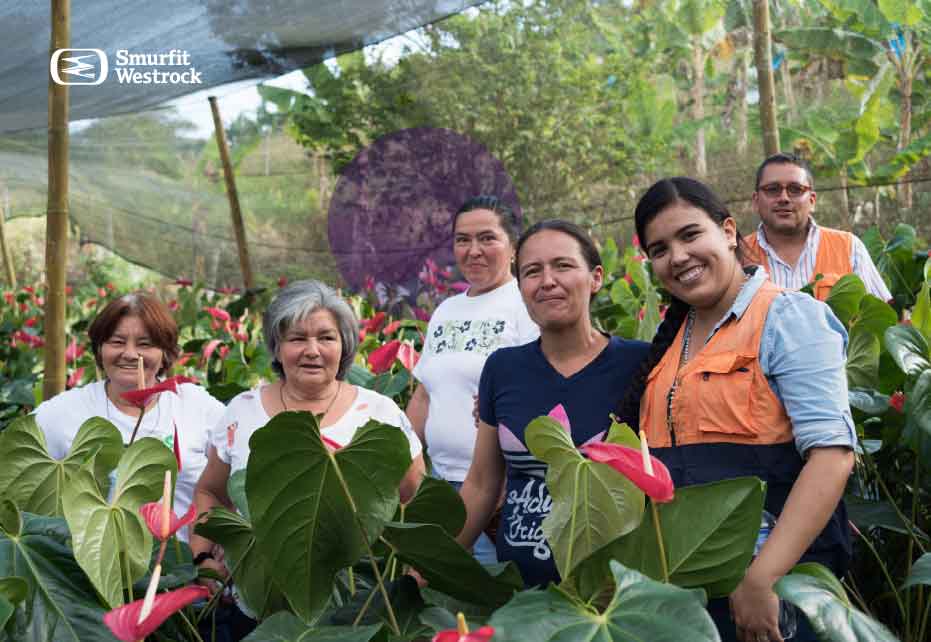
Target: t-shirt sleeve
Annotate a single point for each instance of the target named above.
(425, 354)
(803, 354)
(412, 439)
(486, 391)
(390, 413)
(206, 408)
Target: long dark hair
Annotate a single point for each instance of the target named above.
(661, 195)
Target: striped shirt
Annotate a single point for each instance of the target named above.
(798, 276)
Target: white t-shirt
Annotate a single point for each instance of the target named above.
(462, 332)
(192, 409)
(246, 414)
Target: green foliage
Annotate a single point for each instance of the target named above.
(641, 609)
(592, 504)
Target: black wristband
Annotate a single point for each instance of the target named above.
(202, 557)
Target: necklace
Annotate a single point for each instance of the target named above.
(683, 358)
(339, 386)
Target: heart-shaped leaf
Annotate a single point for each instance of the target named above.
(287, 627)
(592, 504)
(309, 506)
(921, 572)
(822, 599)
(875, 315)
(108, 534)
(908, 348)
(868, 400)
(862, 359)
(251, 573)
(845, 297)
(641, 609)
(436, 502)
(448, 567)
(13, 590)
(34, 480)
(236, 489)
(60, 603)
(917, 433)
(709, 531)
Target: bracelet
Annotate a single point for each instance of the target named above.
(202, 557)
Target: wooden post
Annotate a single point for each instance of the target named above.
(56, 227)
(238, 228)
(4, 246)
(763, 53)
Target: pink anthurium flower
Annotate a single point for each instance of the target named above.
(381, 358)
(656, 483)
(75, 377)
(152, 514)
(218, 313)
(392, 327)
(461, 633)
(331, 445)
(559, 414)
(140, 398)
(124, 622)
(408, 356)
(73, 351)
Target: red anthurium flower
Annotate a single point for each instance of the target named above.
(392, 327)
(176, 446)
(282, 281)
(124, 621)
(408, 356)
(140, 398)
(73, 351)
(8, 297)
(635, 241)
(421, 314)
(462, 634)
(331, 445)
(629, 462)
(228, 291)
(29, 289)
(374, 324)
(75, 377)
(459, 286)
(184, 282)
(218, 313)
(369, 283)
(224, 350)
(209, 347)
(152, 514)
(380, 359)
(31, 322)
(897, 401)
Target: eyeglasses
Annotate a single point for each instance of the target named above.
(794, 190)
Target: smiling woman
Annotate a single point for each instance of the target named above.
(131, 328)
(313, 334)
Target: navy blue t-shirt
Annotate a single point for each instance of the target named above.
(518, 385)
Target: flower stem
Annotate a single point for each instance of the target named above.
(892, 585)
(352, 582)
(124, 563)
(136, 427)
(659, 541)
(191, 626)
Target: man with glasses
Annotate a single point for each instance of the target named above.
(788, 242)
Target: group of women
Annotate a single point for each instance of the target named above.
(742, 378)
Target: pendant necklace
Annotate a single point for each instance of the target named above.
(339, 386)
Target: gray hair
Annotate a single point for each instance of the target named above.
(295, 303)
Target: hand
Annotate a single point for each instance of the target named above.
(755, 609)
(218, 567)
(421, 583)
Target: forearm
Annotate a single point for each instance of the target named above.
(811, 502)
(417, 409)
(480, 494)
(412, 479)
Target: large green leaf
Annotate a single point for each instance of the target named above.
(845, 297)
(13, 590)
(436, 502)
(287, 627)
(901, 12)
(835, 43)
(406, 604)
(34, 480)
(917, 433)
(108, 534)
(868, 401)
(308, 505)
(641, 609)
(908, 348)
(236, 490)
(867, 514)
(874, 315)
(709, 531)
(61, 604)
(921, 572)
(822, 599)
(251, 573)
(862, 359)
(448, 567)
(592, 504)
(921, 312)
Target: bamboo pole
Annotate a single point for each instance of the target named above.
(56, 229)
(235, 214)
(763, 53)
(4, 246)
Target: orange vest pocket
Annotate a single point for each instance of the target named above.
(721, 390)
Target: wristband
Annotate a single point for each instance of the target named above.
(202, 557)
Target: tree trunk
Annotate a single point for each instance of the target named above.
(763, 54)
(845, 196)
(56, 226)
(698, 107)
(905, 132)
(239, 229)
(741, 118)
(4, 246)
(787, 89)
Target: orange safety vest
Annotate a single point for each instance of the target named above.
(832, 260)
(723, 394)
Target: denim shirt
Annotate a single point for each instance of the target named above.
(803, 353)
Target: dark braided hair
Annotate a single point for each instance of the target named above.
(661, 195)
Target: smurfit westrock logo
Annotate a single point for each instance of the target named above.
(87, 67)
(91, 67)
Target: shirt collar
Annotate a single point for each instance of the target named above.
(756, 278)
(761, 236)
